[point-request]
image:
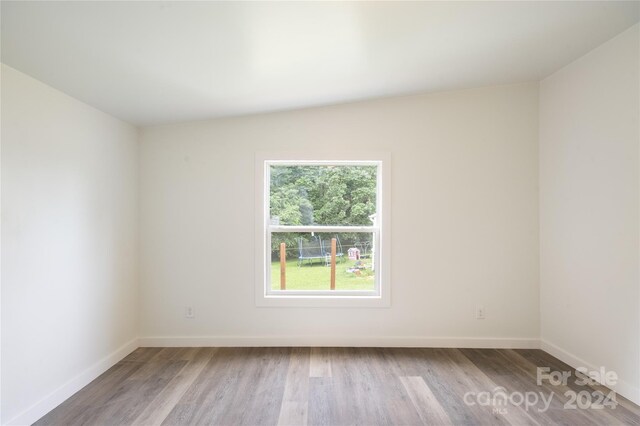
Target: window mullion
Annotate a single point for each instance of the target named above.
(349, 228)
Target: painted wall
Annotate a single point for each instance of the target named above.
(589, 226)
(464, 215)
(69, 243)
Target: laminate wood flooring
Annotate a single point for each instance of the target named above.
(334, 386)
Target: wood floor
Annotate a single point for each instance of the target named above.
(330, 386)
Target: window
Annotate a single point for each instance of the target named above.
(322, 231)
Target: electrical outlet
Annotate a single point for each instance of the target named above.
(480, 313)
(189, 312)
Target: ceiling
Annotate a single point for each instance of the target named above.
(156, 62)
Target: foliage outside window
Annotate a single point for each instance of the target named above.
(322, 228)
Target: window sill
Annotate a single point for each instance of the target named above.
(321, 301)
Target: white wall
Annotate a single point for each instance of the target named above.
(69, 244)
(464, 222)
(589, 214)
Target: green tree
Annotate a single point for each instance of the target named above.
(321, 195)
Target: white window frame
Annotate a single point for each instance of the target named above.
(264, 295)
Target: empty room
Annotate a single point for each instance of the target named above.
(320, 213)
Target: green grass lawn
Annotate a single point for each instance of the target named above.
(318, 276)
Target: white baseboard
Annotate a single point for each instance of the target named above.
(623, 388)
(345, 341)
(55, 398)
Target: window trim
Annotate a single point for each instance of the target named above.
(264, 295)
